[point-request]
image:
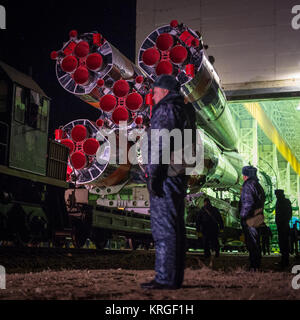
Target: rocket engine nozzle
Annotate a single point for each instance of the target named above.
(178, 54)
(151, 56)
(69, 64)
(82, 49)
(108, 103)
(120, 114)
(90, 146)
(164, 67)
(164, 42)
(134, 101)
(79, 133)
(94, 61)
(121, 88)
(78, 160)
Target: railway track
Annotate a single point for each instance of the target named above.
(32, 259)
(51, 251)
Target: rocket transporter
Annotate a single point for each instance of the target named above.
(89, 67)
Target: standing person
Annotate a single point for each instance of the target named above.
(294, 239)
(266, 236)
(282, 218)
(252, 198)
(209, 222)
(167, 192)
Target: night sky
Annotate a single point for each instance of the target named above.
(34, 29)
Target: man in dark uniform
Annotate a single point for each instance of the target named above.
(167, 192)
(209, 222)
(252, 198)
(282, 218)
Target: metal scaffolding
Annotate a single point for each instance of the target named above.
(257, 148)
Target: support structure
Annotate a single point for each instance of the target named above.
(259, 150)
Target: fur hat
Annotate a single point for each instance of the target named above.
(249, 171)
(166, 81)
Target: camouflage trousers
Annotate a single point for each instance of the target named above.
(168, 231)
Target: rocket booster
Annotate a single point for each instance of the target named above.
(178, 50)
(89, 67)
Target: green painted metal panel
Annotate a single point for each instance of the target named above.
(29, 132)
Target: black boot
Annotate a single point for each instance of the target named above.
(153, 285)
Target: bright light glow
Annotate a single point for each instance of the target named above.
(271, 132)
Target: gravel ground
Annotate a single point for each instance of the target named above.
(223, 278)
(111, 284)
(37, 260)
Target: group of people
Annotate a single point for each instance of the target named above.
(167, 191)
(257, 236)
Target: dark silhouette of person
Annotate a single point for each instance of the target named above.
(252, 198)
(294, 239)
(266, 236)
(282, 218)
(209, 222)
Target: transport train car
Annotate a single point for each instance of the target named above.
(37, 204)
(32, 167)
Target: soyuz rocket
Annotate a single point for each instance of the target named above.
(89, 67)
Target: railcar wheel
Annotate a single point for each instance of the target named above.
(59, 242)
(133, 244)
(79, 235)
(99, 237)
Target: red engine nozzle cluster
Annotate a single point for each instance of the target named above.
(164, 54)
(84, 60)
(82, 148)
(170, 53)
(78, 59)
(123, 101)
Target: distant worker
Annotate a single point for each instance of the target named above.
(294, 239)
(251, 203)
(192, 210)
(282, 218)
(266, 236)
(209, 222)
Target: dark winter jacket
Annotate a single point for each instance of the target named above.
(170, 113)
(209, 220)
(283, 211)
(252, 198)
